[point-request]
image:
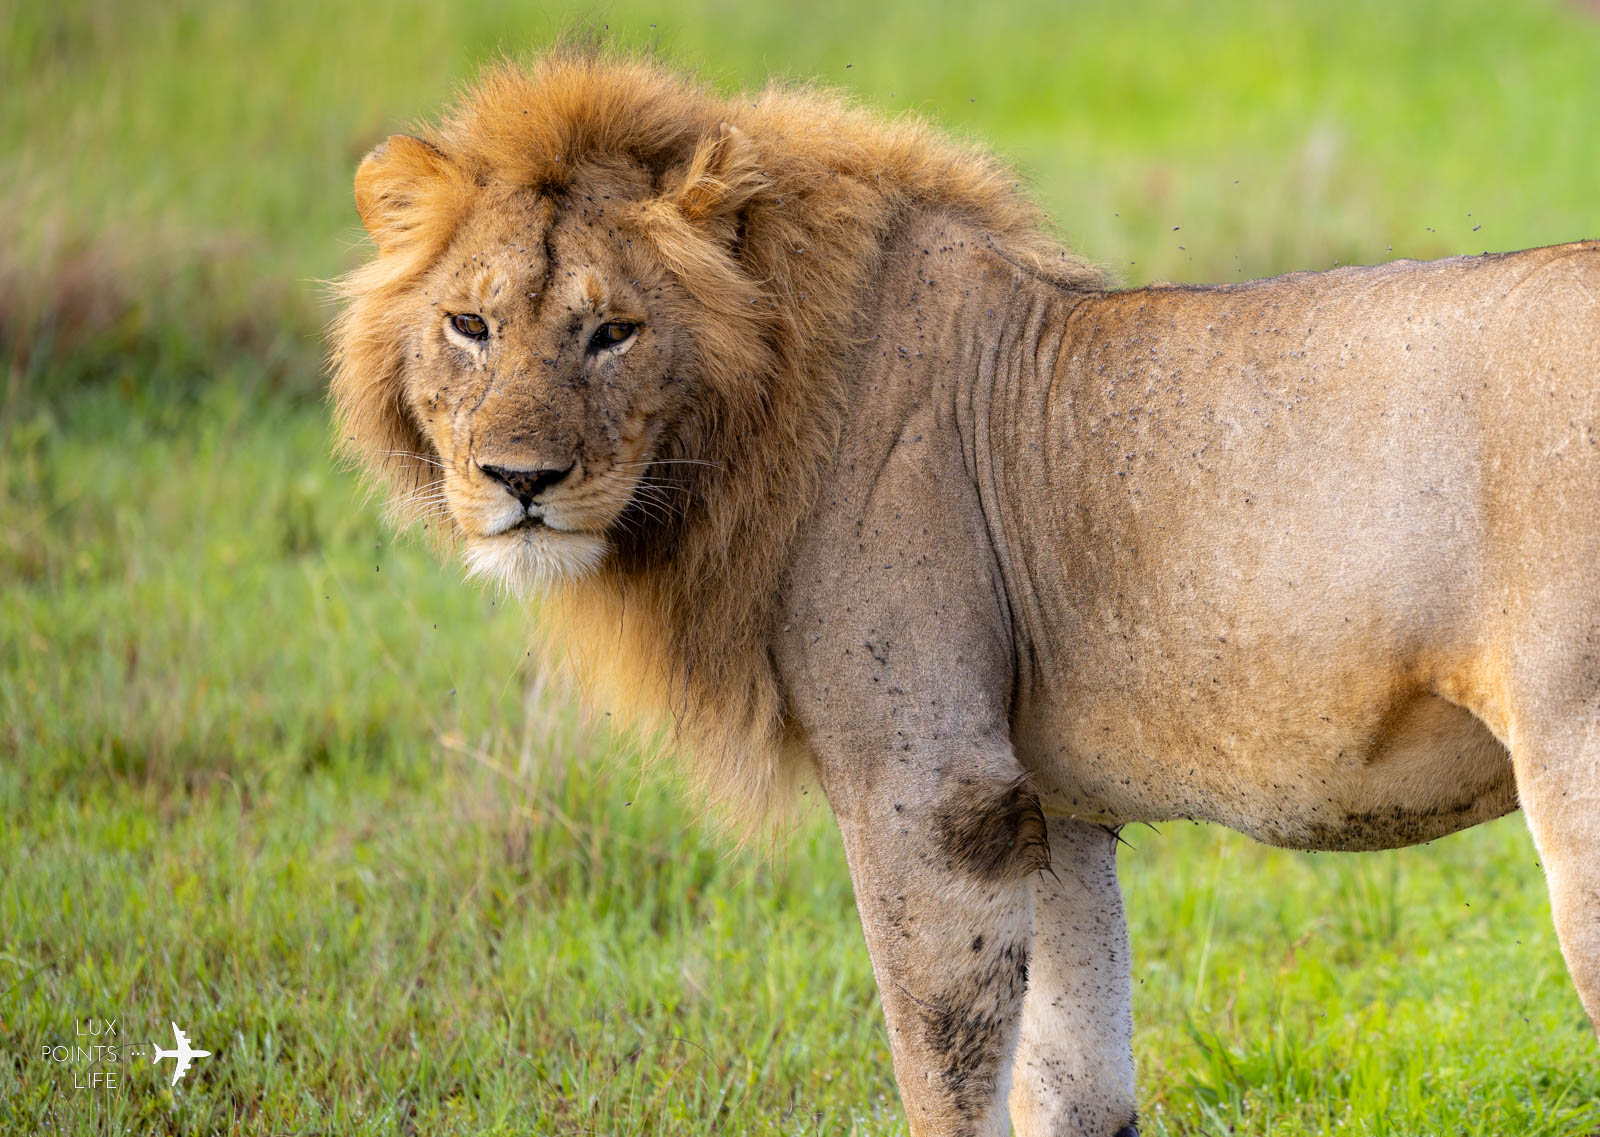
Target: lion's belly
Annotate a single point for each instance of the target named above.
(1414, 774)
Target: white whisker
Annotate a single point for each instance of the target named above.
(426, 458)
(429, 490)
(643, 494)
(667, 462)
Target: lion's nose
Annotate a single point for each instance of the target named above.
(525, 485)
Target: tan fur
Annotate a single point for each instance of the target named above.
(880, 482)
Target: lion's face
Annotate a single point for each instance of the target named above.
(558, 344)
(547, 372)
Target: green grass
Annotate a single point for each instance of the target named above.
(271, 774)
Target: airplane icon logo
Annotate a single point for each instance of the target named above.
(183, 1053)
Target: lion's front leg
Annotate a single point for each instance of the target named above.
(941, 863)
(1073, 1072)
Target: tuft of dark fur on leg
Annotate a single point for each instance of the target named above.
(1001, 836)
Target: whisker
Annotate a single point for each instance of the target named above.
(636, 517)
(663, 487)
(414, 499)
(644, 512)
(653, 508)
(667, 462)
(427, 458)
(418, 502)
(647, 493)
(440, 506)
(434, 484)
(433, 481)
(429, 488)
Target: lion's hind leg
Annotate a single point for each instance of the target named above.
(1558, 781)
(1554, 735)
(1073, 1071)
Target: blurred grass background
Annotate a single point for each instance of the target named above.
(266, 772)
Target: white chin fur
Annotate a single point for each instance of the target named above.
(533, 559)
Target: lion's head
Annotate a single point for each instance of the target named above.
(600, 347)
(562, 340)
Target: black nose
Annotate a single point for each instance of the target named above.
(525, 485)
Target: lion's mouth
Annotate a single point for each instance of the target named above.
(532, 555)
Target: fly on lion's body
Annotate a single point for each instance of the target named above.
(828, 456)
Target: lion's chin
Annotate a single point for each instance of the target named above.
(525, 560)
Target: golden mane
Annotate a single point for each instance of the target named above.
(679, 635)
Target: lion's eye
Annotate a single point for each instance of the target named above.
(471, 325)
(610, 335)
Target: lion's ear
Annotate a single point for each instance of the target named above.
(396, 181)
(695, 223)
(722, 176)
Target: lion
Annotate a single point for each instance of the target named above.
(828, 458)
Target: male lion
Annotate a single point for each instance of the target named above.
(829, 457)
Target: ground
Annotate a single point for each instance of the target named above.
(272, 774)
